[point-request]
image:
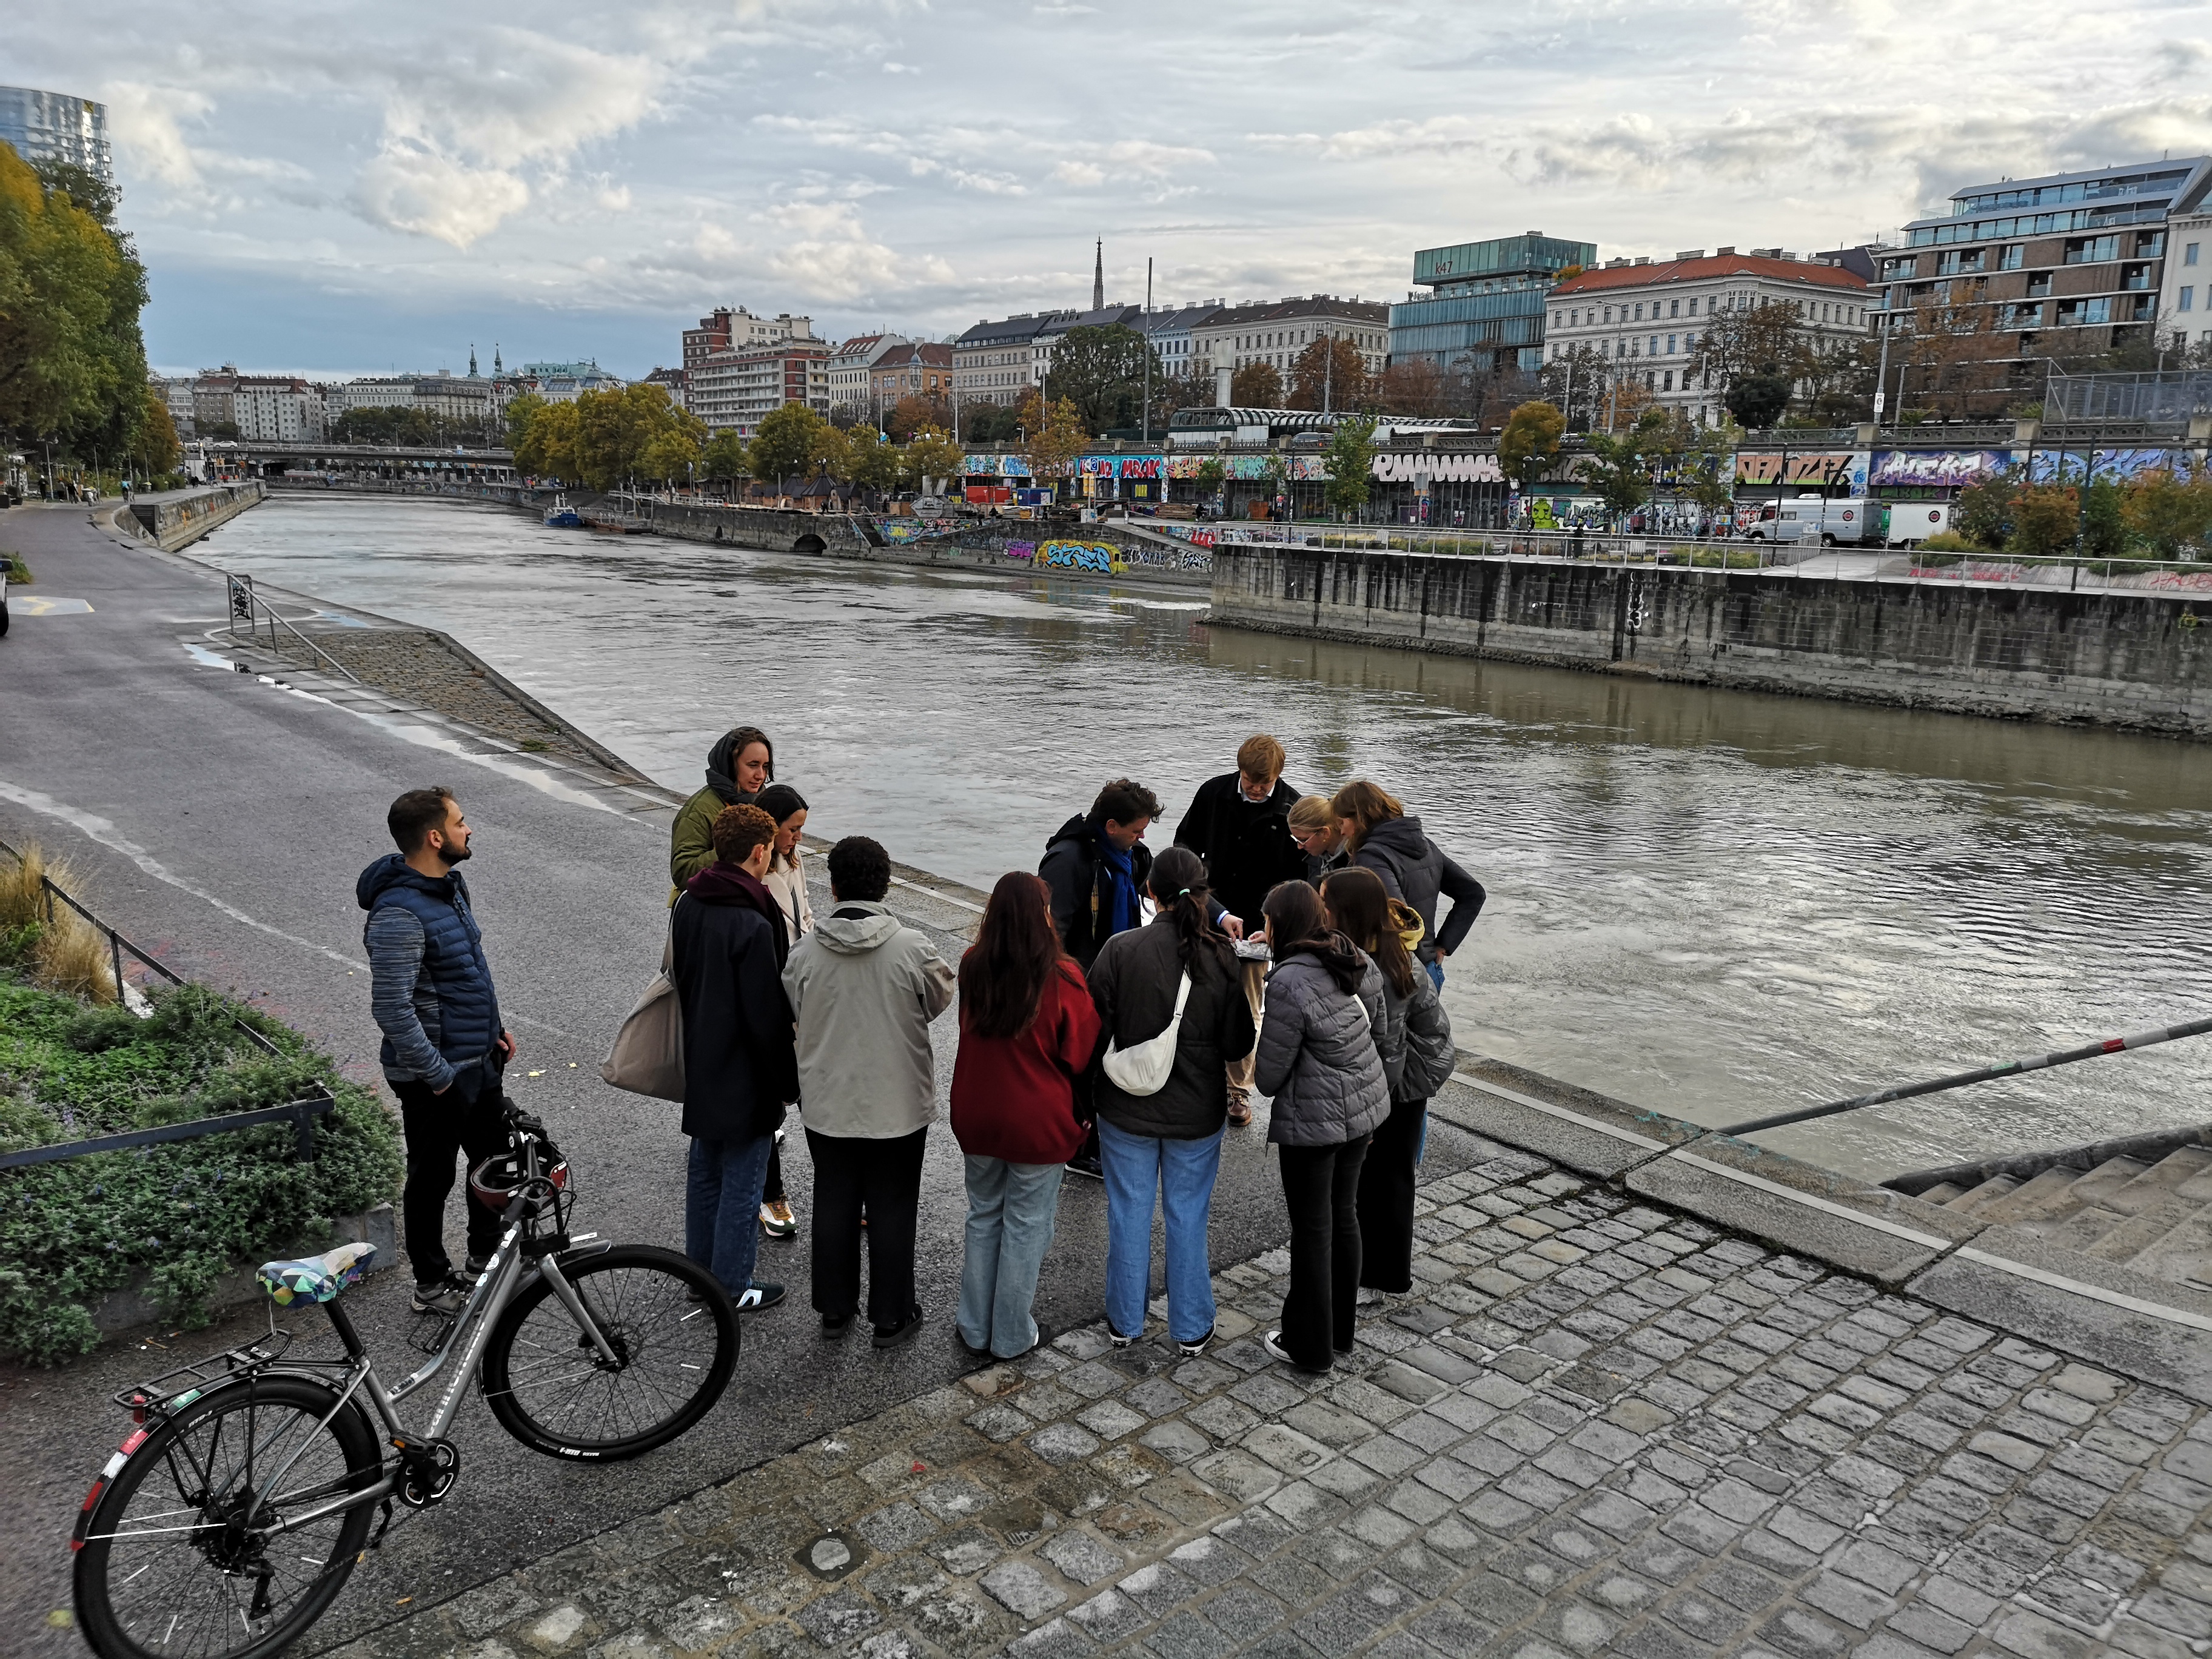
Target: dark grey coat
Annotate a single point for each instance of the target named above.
(1134, 981)
(1419, 1027)
(1319, 1059)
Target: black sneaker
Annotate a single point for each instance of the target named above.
(474, 1267)
(1192, 1350)
(1117, 1339)
(447, 1296)
(891, 1336)
(834, 1325)
(1272, 1342)
(1087, 1166)
(757, 1295)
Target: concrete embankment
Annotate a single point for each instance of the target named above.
(177, 521)
(2136, 661)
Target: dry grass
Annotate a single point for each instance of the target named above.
(63, 950)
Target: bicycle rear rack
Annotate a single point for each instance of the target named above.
(160, 1397)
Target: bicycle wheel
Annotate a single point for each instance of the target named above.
(175, 1562)
(675, 1337)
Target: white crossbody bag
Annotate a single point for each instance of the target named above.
(1144, 1069)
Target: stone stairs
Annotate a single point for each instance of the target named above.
(2144, 1203)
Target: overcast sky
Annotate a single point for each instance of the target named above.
(341, 186)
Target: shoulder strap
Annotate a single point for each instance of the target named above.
(1183, 993)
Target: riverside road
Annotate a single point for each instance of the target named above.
(219, 820)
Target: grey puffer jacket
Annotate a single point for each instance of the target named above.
(1417, 1045)
(1318, 1054)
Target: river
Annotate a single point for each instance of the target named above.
(1716, 904)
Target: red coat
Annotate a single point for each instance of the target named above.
(1014, 1097)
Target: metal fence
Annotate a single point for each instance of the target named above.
(2156, 398)
(249, 607)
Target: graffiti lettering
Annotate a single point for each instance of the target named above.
(1021, 549)
(1102, 557)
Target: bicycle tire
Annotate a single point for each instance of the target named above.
(180, 1581)
(546, 1385)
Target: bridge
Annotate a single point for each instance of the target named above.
(315, 458)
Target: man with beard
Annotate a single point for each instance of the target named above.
(444, 1046)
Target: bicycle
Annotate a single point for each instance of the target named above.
(230, 1519)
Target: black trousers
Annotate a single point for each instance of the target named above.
(1386, 1198)
(883, 1180)
(438, 1128)
(1320, 1186)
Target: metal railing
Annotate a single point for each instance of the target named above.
(243, 604)
(302, 1114)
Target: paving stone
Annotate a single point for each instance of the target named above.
(1082, 1558)
(1108, 1616)
(1024, 1591)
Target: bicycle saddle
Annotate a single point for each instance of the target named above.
(316, 1277)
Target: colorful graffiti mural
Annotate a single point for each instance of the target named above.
(1187, 532)
(899, 531)
(995, 466)
(1103, 558)
(1021, 549)
(1394, 467)
(1816, 467)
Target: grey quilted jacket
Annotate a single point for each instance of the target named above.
(1318, 1058)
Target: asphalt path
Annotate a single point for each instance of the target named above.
(219, 820)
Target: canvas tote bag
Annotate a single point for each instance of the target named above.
(647, 1058)
(1143, 1070)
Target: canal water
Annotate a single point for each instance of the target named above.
(1712, 903)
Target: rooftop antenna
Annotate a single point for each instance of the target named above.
(1098, 278)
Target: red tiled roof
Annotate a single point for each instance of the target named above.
(1722, 264)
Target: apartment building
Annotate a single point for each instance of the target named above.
(736, 390)
(732, 328)
(1486, 304)
(921, 370)
(851, 388)
(1275, 332)
(1642, 317)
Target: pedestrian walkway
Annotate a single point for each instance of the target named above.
(1597, 1426)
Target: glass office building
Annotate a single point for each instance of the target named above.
(1486, 305)
(53, 126)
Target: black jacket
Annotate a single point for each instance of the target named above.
(740, 1063)
(1071, 870)
(1413, 868)
(1133, 983)
(1247, 847)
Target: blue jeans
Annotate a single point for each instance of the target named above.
(721, 1207)
(1182, 1172)
(1010, 1210)
(1435, 967)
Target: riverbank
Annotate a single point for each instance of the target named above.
(179, 518)
(2130, 661)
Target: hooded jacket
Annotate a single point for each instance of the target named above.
(1246, 844)
(1071, 868)
(1319, 1053)
(1414, 868)
(1133, 983)
(691, 840)
(431, 987)
(863, 988)
(738, 1070)
(1014, 1097)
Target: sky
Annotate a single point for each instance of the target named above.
(341, 187)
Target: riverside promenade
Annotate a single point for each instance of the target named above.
(1646, 1400)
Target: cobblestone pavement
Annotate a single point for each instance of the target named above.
(1596, 1427)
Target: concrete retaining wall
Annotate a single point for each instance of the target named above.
(181, 520)
(2139, 661)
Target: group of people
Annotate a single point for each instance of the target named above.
(1117, 1013)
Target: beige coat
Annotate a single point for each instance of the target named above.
(863, 988)
(786, 879)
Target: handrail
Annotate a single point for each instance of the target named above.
(302, 1115)
(243, 598)
(117, 945)
(1980, 1074)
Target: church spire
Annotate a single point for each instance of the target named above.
(497, 367)
(472, 360)
(1098, 278)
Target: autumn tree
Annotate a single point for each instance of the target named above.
(1256, 385)
(914, 411)
(634, 433)
(1416, 387)
(544, 436)
(1351, 457)
(932, 457)
(1328, 374)
(2044, 518)
(1749, 355)
(724, 458)
(1056, 440)
(1530, 442)
(1948, 360)
(1574, 380)
(788, 444)
(2170, 514)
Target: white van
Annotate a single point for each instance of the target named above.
(1916, 521)
(1814, 519)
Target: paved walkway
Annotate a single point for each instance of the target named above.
(1597, 1427)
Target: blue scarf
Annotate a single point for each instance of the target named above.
(1118, 911)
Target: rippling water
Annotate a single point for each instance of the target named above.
(1713, 904)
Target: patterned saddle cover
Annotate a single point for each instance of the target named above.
(316, 1277)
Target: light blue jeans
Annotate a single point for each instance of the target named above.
(1182, 1173)
(1010, 1210)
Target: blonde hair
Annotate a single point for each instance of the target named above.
(1312, 812)
(1366, 805)
(1260, 756)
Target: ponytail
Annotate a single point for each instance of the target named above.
(1179, 887)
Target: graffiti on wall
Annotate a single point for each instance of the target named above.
(1167, 558)
(1187, 532)
(1021, 549)
(1103, 558)
(995, 466)
(1814, 467)
(1404, 468)
(900, 532)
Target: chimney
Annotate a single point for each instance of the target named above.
(1724, 252)
(1221, 388)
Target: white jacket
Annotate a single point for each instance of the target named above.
(863, 988)
(786, 879)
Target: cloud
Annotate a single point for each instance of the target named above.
(410, 188)
(144, 120)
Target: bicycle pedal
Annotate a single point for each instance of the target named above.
(428, 1338)
(428, 1469)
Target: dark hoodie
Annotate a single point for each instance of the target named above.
(1072, 869)
(722, 772)
(740, 1067)
(430, 988)
(1413, 868)
(691, 837)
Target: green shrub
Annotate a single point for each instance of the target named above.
(182, 1214)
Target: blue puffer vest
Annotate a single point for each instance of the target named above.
(460, 1014)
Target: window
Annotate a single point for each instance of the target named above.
(1689, 343)
(2189, 254)
(1675, 308)
(2039, 285)
(2075, 313)
(1654, 345)
(1670, 345)
(1639, 313)
(2092, 250)
(2150, 244)
(2188, 300)
(1693, 305)
(2011, 257)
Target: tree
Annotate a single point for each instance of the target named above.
(724, 458)
(1983, 515)
(876, 465)
(1621, 402)
(989, 424)
(634, 433)
(2044, 518)
(1328, 374)
(788, 444)
(1837, 376)
(1212, 473)
(1758, 399)
(157, 447)
(914, 411)
(1101, 372)
(1709, 469)
(2170, 513)
(1351, 457)
(1763, 343)
(1056, 440)
(1256, 385)
(932, 456)
(546, 436)
(72, 362)
(1530, 442)
(1616, 468)
(1574, 380)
